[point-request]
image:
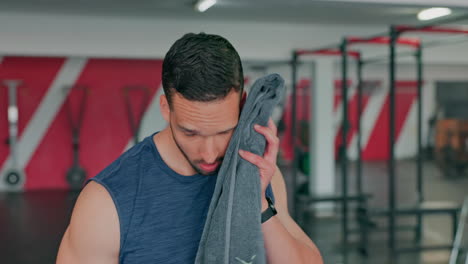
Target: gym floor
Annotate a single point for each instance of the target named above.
(437, 229)
(32, 224)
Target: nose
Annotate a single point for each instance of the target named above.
(209, 152)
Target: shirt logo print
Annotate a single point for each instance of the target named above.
(245, 262)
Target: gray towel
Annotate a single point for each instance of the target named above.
(232, 232)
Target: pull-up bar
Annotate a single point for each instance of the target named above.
(428, 45)
(431, 29)
(443, 21)
(328, 52)
(384, 40)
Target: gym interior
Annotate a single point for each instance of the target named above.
(373, 128)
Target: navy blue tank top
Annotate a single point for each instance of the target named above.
(161, 213)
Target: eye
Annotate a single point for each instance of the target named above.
(190, 134)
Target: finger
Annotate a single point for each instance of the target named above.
(272, 126)
(257, 160)
(272, 146)
(267, 133)
(271, 152)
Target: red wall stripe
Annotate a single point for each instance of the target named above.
(378, 144)
(105, 131)
(37, 74)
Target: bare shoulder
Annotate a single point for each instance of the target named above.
(281, 203)
(93, 235)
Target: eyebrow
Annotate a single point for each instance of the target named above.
(197, 132)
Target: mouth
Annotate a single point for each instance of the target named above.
(209, 167)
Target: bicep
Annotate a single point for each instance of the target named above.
(93, 235)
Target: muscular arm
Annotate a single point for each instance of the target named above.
(285, 242)
(93, 235)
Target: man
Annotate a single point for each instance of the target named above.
(150, 205)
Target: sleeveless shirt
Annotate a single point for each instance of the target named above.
(161, 213)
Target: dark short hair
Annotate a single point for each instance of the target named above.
(202, 67)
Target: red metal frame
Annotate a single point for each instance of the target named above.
(384, 40)
(431, 29)
(328, 52)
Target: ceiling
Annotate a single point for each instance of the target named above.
(290, 11)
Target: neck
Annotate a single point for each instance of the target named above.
(171, 154)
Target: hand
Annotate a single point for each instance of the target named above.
(267, 163)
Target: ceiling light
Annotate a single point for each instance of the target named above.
(435, 12)
(203, 5)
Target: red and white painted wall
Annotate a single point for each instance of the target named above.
(44, 146)
(374, 118)
(45, 151)
(375, 106)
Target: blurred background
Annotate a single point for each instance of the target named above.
(374, 153)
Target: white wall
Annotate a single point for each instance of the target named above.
(54, 34)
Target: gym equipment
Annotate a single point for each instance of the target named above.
(135, 121)
(364, 213)
(422, 207)
(76, 174)
(391, 38)
(460, 243)
(302, 199)
(451, 152)
(14, 176)
(304, 164)
(429, 151)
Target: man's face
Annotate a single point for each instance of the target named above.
(202, 130)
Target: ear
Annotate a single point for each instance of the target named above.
(164, 107)
(244, 98)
